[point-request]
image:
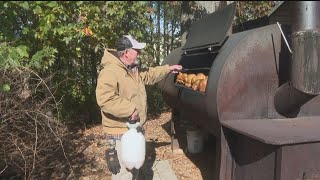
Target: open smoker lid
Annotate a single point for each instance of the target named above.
(211, 30)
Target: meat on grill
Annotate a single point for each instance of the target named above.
(194, 81)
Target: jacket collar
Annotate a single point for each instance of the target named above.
(109, 57)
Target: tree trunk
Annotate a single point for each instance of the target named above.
(151, 38)
(165, 30)
(158, 32)
(172, 36)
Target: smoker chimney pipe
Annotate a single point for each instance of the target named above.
(305, 69)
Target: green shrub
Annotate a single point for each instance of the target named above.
(156, 104)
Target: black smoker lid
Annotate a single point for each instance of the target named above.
(211, 30)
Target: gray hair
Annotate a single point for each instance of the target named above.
(119, 53)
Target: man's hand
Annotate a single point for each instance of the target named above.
(140, 129)
(135, 116)
(175, 68)
(113, 161)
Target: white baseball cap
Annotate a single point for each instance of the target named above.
(127, 42)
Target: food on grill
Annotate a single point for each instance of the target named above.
(193, 80)
(188, 80)
(180, 78)
(195, 85)
(199, 76)
(203, 85)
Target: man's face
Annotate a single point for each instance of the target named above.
(132, 55)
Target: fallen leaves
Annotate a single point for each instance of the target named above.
(91, 165)
(88, 31)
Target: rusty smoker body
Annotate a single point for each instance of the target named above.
(261, 101)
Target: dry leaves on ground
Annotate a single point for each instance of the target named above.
(92, 166)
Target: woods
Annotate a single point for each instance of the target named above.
(50, 54)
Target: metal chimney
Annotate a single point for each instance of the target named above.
(305, 69)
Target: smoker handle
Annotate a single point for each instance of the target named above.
(284, 37)
(187, 69)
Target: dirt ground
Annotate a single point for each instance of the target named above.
(90, 163)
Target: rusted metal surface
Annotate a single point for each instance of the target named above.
(214, 79)
(288, 100)
(310, 108)
(249, 77)
(305, 69)
(252, 159)
(224, 161)
(300, 161)
(305, 45)
(278, 131)
(265, 127)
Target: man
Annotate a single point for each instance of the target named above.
(121, 95)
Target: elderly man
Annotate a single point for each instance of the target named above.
(122, 97)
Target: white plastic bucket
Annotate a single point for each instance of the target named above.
(194, 141)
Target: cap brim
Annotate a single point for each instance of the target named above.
(139, 46)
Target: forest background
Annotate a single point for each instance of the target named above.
(50, 54)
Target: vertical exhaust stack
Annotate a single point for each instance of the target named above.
(305, 69)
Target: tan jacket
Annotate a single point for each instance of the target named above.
(120, 91)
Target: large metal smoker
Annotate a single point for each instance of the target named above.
(261, 101)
